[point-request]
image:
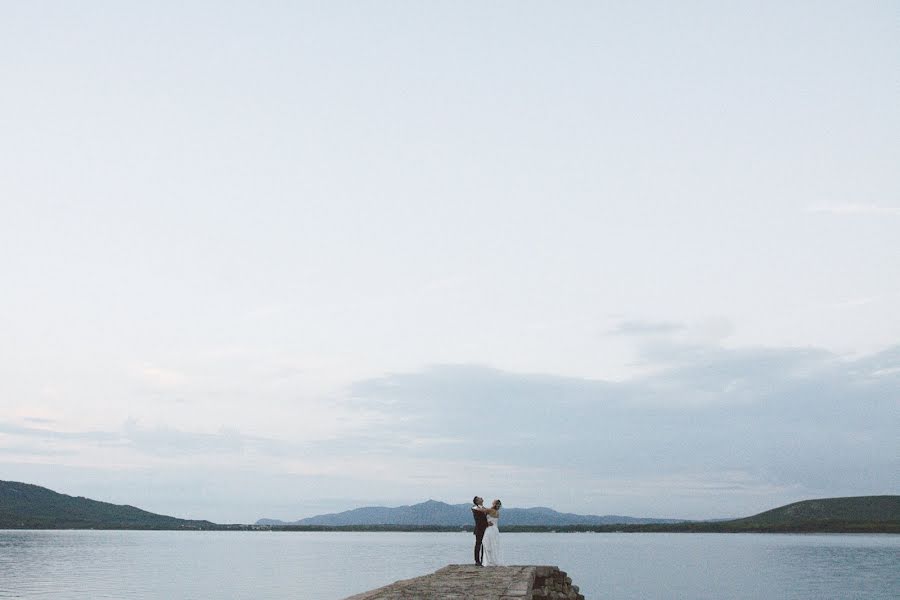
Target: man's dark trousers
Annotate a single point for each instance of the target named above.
(481, 524)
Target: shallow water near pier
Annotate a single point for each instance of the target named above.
(326, 566)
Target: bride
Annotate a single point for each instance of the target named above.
(491, 543)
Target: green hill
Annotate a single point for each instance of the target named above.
(859, 512)
(26, 506)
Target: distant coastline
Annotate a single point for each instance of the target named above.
(27, 506)
(689, 527)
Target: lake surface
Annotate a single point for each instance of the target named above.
(163, 565)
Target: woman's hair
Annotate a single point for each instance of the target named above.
(498, 503)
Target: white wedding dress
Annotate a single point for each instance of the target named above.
(491, 543)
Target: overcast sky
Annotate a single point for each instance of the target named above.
(273, 259)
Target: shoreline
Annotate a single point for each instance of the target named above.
(801, 528)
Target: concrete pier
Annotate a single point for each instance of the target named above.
(468, 582)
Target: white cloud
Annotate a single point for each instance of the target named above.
(793, 418)
(711, 432)
(162, 377)
(856, 209)
(643, 328)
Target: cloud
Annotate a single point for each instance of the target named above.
(162, 377)
(53, 434)
(642, 328)
(783, 418)
(158, 440)
(856, 209)
(713, 431)
(25, 450)
(39, 420)
(861, 301)
(165, 440)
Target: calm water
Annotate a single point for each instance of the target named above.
(326, 566)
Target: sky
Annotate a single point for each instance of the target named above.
(277, 259)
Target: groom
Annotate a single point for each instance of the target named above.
(481, 525)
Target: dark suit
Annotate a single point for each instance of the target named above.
(481, 524)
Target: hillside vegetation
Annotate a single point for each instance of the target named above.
(26, 506)
(853, 509)
(859, 514)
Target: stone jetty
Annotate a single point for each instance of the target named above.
(468, 582)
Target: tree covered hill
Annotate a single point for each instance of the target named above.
(859, 514)
(26, 506)
(858, 509)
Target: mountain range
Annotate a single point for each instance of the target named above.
(27, 506)
(863, 514)
(441, 514)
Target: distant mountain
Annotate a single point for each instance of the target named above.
(26, 506)
(434, 513)
(854, 514)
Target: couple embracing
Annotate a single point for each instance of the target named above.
(487, 532)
